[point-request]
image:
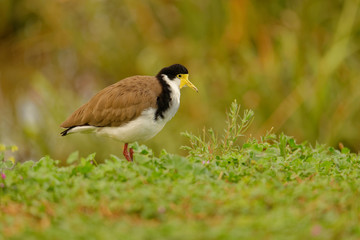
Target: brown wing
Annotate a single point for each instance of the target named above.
(117, 104)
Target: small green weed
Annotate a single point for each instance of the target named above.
(6, 162)
(210, 145)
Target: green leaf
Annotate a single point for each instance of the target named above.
(345, 150)
(73, 157)
(91, 157)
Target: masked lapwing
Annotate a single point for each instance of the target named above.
(133, 109)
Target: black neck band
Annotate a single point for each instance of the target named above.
(164, 99)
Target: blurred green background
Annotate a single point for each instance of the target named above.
(295, 63)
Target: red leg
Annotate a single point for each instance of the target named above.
(131, 154)
(126, 153)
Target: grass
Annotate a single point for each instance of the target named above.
(295, 66)
(271, 188)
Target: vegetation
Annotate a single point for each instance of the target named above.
(295, 63)
(272, 188)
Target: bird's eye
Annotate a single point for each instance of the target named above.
(179, 75)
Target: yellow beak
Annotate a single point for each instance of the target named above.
(184, 81)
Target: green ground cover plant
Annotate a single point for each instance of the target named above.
(228, 187)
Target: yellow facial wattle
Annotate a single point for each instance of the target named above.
(184, 81)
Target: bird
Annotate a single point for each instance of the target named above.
(133, 109)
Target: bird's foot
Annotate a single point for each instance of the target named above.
(127, 155)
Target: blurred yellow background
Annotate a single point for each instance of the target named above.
(295, 63)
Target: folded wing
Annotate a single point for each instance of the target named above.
(117, 104)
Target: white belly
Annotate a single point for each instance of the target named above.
(140, 129)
